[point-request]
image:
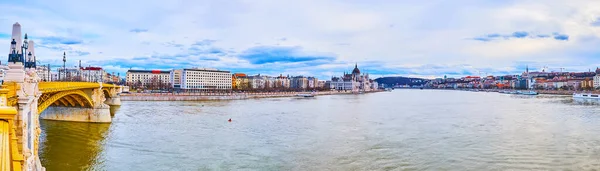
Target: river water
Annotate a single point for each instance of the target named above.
(399, 130)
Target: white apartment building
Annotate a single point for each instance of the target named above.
(92, 74)
(176, 78)
(3, 69)
(597, 81)
(69, 74)
(257, 82)
(144, 77)
(205, 79)
(43, 73)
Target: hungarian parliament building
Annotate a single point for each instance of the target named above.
(354, 82)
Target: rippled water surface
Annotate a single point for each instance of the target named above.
(399, 130)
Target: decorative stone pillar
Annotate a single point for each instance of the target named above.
(26, 121)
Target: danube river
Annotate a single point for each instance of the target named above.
(399, 130)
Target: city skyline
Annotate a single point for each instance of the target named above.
(314, 38)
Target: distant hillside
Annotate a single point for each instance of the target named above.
(400, 81)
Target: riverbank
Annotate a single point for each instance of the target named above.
(550, 92)
(216, 96)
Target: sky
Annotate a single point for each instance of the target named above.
(321, 38)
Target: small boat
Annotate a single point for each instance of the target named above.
(586, 96)
(305, 95)
(529, 93)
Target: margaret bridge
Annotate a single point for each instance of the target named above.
(25, 99)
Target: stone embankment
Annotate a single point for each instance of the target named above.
(554, 92)
(215, 96)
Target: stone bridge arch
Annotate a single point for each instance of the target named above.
(71, 98)
(107, 93)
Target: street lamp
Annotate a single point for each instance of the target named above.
(64, 66)
(28, 65)
(24, 50)
(49, 74)
(13, 56)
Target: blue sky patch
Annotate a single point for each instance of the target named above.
(277, 54)
(519, 35)
(138, 30)
(61, 40)
(4, 36)
(596, 22)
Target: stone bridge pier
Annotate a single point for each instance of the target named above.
(113, 98)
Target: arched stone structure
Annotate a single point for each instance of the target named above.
(73, 97)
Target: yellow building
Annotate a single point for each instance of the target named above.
(244, 83)
(237, 80)
(587, 84)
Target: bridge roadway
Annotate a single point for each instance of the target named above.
(22, 104)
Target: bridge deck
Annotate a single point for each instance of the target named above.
(48, 87)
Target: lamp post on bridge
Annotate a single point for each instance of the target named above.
(64, 65)
(49, 73)
(24, 48)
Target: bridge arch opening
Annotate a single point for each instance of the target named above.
(72, 98)
(106, 93)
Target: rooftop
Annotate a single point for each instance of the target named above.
(205, 69)
(149, 71)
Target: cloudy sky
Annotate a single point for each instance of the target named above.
(323, 38)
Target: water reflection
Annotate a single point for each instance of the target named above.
(113, 110)
(581, 101)
(71, 145)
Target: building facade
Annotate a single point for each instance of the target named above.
(69, 74)
(257, 82)
(236, 80)
(354, 82)
(3, 69)
(205, 79)
(299, 82)
(597, 81)
(282, 82)
(93, 74)
(152, 79)
(312, 82)
(112, 78)
(175, 78)
(44, 73)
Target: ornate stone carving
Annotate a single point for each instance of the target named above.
(98, 98)
(32, 77)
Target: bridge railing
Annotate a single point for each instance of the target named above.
(64, 86)
(10, 158)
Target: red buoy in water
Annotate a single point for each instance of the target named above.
(229, 120)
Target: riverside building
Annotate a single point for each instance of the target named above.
(44, 73)
(596, 79)
(205, 79)
(143, 78)
(176, 78)
(354, 82)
